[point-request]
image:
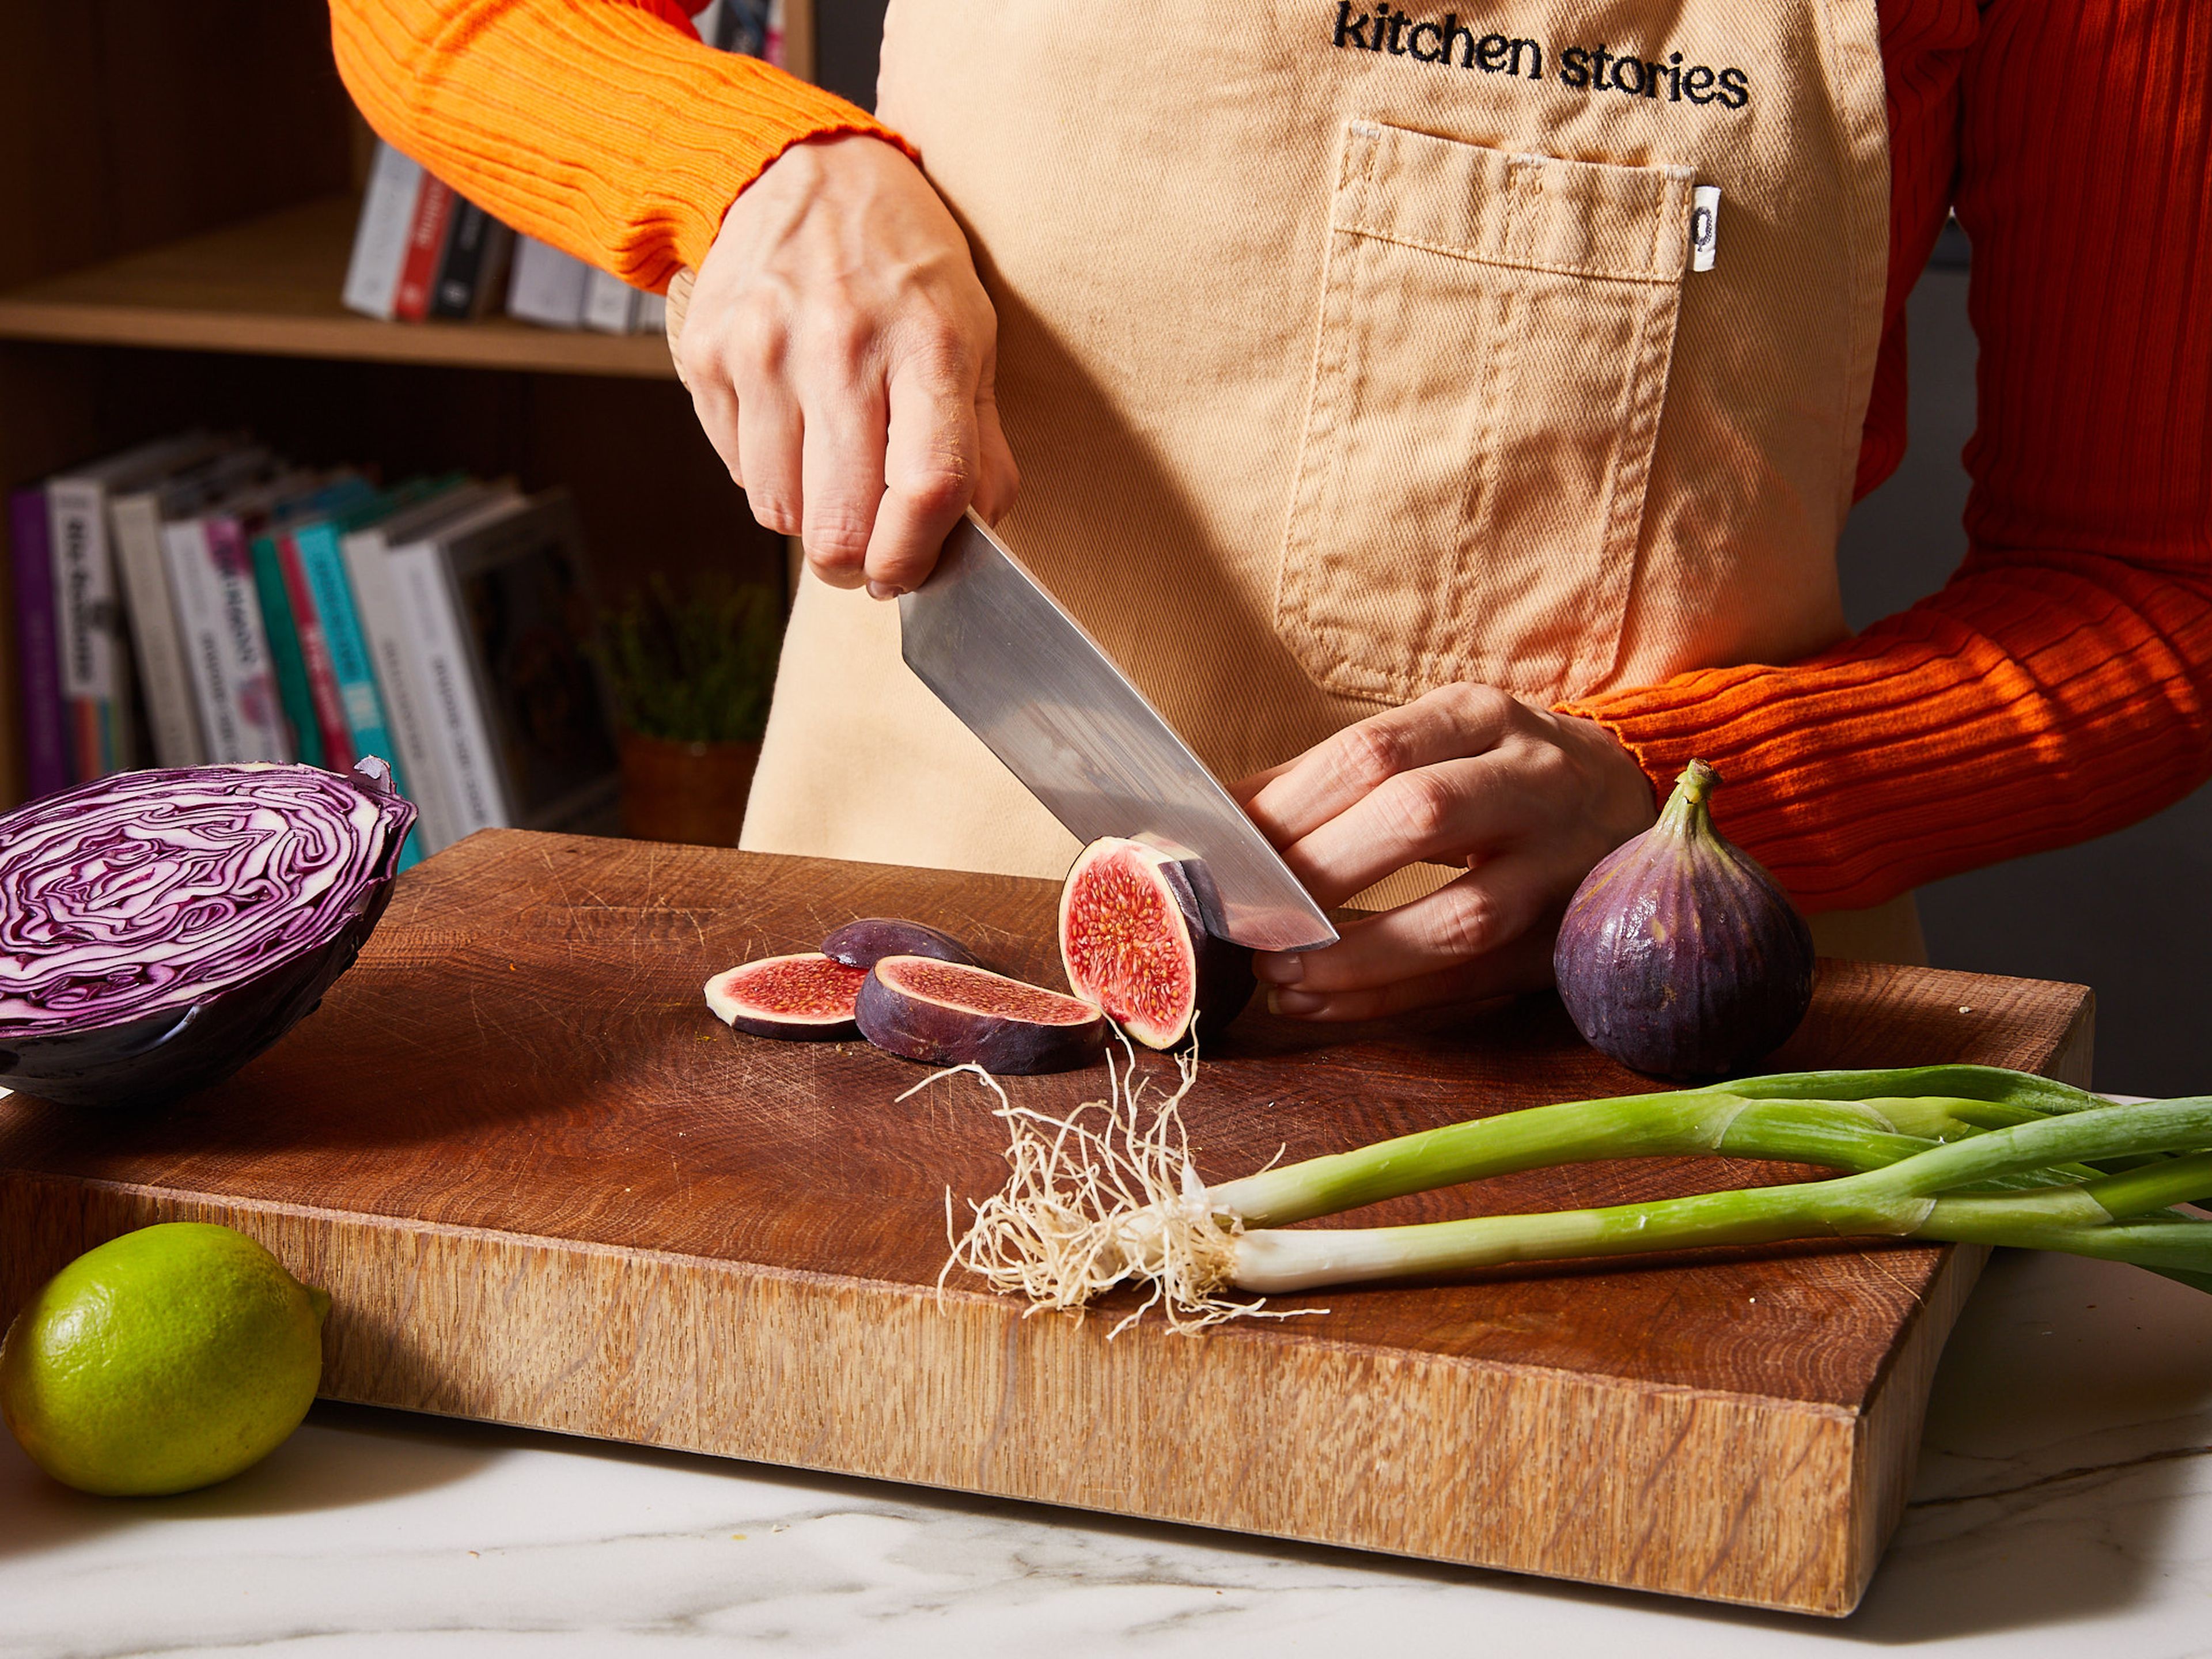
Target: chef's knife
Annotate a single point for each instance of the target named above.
(1024, 676)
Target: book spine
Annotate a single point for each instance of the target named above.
(376, 598)
(96, 692)
(426, 241)
(172, 709)
(323, 568)
(379, 238)
(286, 669)
(455, 715)
(199, 630)
(453, 296)
(610, 303)
(245, 643)
(546, 286)
(322, 693)
(38, 658)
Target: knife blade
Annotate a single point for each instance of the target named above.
(1024, 677)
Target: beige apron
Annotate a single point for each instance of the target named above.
(1348, 350)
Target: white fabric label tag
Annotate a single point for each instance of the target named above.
(1704, 225)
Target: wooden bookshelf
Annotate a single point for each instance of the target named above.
(271, 286)
(180, 186)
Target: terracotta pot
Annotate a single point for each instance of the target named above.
(691, 792)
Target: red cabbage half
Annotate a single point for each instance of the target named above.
(159, 929)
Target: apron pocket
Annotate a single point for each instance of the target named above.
(1495, 331)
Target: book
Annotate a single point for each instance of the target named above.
(319, 555)
(503, 605)
(473, 266)
(610, 303)
(652, 314)
(37, 656)
(94, 654)
(219, 619)
(426, 242)
(546, 286)
(380, 234)
(164, 676)
(455, 717)
(392, 647)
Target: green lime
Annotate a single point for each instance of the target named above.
(165, 1359)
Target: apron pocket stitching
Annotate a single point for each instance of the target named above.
(1648, 278)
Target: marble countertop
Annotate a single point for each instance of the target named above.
(2064, 1503)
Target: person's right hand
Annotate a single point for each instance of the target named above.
(840, 351)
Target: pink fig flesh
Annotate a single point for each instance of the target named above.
(1135, 938)
(948, 1013)
(807, 996)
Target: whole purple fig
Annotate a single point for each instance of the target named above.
(1679, 956)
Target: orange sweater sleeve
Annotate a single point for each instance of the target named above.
(593, 125)
(2060, 686)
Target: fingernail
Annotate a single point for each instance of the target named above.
(884, 591)
(1293, 1003)
(1283, 967)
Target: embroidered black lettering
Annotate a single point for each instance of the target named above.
(1574, 67)
(1414, 44)
(1735, 91)
(1490, 53)
(1537, 57)
(1398, 22)
(1697, 84)
(1674, 77)
(1655, 76)
(1454, 31)
(1621, 80)
(1599, 58)
(1347, 32)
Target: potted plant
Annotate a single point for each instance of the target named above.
(691, 675)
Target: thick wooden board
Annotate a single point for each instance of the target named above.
(544, 1187)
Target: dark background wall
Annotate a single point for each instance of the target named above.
(2130, 914)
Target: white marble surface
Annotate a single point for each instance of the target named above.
(2064, 1504)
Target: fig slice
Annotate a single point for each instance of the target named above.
(1136, 938)
(865, 943)
(948, 1013)
(807, 996)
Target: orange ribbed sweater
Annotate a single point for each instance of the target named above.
(2059, 686)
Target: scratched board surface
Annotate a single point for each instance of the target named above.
(523, 1050)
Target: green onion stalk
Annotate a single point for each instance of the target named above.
(1977, 1154)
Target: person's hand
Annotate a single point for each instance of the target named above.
(840, 351)
(1528, 799)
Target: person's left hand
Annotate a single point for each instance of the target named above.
(1528, 799)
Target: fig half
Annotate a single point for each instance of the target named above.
(948, 1013)
(1136, 938)
(1679, 956)
(807, 996)
(865, 943)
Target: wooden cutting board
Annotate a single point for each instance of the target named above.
(544, 1187)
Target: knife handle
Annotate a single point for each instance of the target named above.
(679, 302)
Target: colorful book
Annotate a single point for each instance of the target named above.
(210, 562)
(164, 676)
(288, 668)
(96, 677)
(426, 244)
(393, 648)
(38, 658)
(319, 556)
(380, 236)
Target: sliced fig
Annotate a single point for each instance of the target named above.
(948, 1013)
(1137, 939)
(807, 996)
(865, 943)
